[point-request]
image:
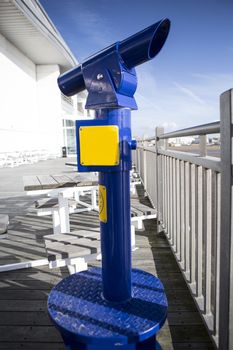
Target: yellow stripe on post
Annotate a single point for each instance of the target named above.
(102, 203)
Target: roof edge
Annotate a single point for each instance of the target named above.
(47, 29)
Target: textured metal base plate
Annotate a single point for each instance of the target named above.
(79, 311)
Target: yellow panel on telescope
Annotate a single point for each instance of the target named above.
(99, 145)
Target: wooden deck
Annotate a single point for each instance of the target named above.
(24, 323)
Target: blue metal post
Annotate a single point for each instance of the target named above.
(115, 233)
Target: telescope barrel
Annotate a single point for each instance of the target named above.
(144, 45)
(135, 50)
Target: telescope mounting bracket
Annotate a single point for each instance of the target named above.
(110, 84)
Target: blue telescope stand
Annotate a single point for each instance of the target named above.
(113, 307)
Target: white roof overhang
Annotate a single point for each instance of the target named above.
(26, 25)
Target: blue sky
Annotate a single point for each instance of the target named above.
(181, 86)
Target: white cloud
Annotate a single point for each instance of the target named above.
(92, 25)
(189, 93)
(169, 125)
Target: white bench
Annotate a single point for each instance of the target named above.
(141, 212)
(74, 249)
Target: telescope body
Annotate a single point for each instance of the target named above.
(105, 143)
(133, 51)
(129, 306)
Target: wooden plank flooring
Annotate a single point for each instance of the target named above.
(24, 323)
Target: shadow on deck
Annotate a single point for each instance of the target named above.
(24, 323)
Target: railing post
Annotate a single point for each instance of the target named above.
(158, 178)
(203, 149)
(226, 243)
(144, 166)
(138, 160)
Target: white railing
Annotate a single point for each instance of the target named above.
(187, 192)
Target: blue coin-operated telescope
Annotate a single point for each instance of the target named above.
(114, 307)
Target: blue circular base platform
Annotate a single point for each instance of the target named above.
(86, 321)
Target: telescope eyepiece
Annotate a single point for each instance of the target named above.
(71, 82)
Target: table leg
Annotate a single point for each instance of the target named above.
(56, 222)
(133, 242)
(76, 196)
(93, 199)
(64, 213)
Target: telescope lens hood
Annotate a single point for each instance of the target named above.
(144, 45)
(159, 38)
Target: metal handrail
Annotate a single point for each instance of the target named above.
(204, 129)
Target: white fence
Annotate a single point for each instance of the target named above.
(187, 192)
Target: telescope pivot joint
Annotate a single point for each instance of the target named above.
(109, 82)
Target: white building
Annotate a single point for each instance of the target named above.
(181, 141)
(33, 113)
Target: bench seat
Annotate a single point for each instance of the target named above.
(71, 236)
(78, 243)
(139, 209)
(85, 244)
(51, 203)
(57, 250)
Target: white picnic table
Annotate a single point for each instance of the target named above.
(63, 187)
